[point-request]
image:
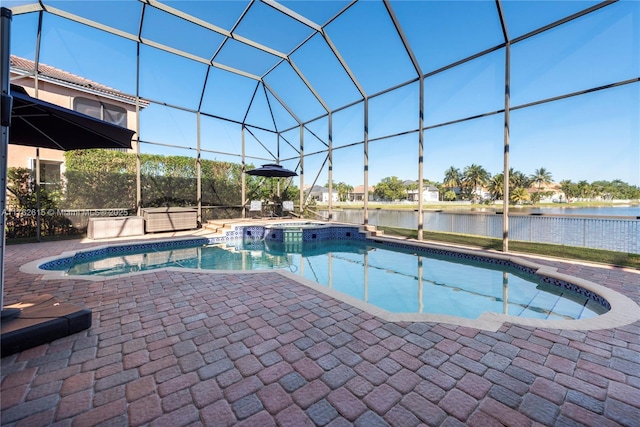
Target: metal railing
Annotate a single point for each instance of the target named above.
(619, 234)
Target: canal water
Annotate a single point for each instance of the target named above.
(611, 228)
(633, 211)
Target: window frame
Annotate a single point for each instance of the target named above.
(106, 110)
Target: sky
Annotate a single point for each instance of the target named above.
(595, 136)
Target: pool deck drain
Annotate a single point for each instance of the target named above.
(189, 348)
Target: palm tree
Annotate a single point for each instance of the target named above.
(475, 176)
(412, 187)
(541, 177)
(343, 190)
(584, 189)
(519, 195)
(518, 180)
(496, 187)
(599, 189)
(569, 189)
(452, 178)
(449, 196)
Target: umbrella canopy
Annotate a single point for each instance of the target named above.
(272, 171)
(41, 124)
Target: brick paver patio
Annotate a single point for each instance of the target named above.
(188, 349)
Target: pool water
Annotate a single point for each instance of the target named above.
(395, 280)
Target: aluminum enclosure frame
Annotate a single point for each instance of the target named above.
(365, 98)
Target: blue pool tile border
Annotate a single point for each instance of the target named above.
(505, 263)
(62, 263)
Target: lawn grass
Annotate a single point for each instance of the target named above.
(477, 206)
(544, 249)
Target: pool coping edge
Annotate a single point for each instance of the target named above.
(624, 310)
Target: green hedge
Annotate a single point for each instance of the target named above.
(102, 179)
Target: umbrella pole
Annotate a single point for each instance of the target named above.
(38, 217)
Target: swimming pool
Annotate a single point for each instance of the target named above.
(390, 278)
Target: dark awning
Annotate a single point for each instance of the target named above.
(41, 124)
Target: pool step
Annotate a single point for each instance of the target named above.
(292, 236)
(372, 230)
(217, 226)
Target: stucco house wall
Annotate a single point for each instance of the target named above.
(61, 88)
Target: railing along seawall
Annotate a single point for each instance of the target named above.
(614, 233)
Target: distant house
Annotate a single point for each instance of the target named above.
(482, 193)
(429, 194)
(321, 194)
(75, 93)
(358, 194)
(550, 192)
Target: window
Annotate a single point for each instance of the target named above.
(49, 173)
(100, 110)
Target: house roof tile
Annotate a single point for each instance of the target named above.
(360, 189)
(22, 64)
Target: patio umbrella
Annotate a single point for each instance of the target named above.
(272, 171)
(37, 123)
(40, 124)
